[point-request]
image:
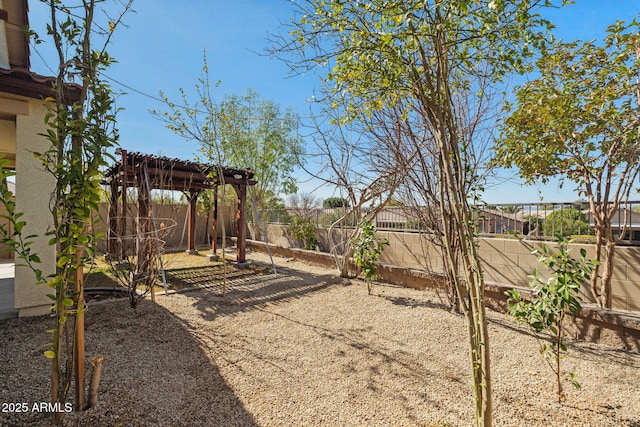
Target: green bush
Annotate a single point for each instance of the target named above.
(304, 229)
(335, 202)
(367, 252)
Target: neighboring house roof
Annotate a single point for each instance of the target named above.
(632, 220)
(394, 214)
(520, 216)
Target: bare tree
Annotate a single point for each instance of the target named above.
(380, 54)
(303, 204)
(410, 145)
(353, 163)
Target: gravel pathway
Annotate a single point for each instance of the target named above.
(306, 348)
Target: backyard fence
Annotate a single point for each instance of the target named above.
(534, 221)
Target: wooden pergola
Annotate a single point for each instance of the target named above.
(145, 173)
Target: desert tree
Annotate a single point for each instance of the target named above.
(379, 53)
(406, 135)
(303, 204)
(241, 131)
(580, 120)
(342, 155)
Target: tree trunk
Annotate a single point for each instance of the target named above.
(79, 346)
(606, 299)
(595, 278)
(603, 273)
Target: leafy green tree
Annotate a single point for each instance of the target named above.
(241, 131)
(553, 300)
(335, 202)
(566, 222)
(421, 53)
(256, 134)
(304, 229)
(579, 120)
(79, 134)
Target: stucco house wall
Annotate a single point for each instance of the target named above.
(32, 195)
(21, 121)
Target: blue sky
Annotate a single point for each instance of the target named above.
(162, 49)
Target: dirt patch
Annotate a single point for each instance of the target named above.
(307, 348)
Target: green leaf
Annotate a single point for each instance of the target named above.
(62, 261)
(49, 354)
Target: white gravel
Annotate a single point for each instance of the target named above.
(306, 348)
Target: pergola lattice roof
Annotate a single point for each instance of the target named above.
(174, 174)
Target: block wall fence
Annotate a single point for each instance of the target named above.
(506, 262)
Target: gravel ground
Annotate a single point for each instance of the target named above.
(306, 348)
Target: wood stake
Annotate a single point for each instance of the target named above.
(96, 363)
(79, 345)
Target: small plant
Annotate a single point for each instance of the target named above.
(367, 252)
(304, 229)
(552, 301)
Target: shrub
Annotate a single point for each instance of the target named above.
(335, 202)
(566, 222)
(304, 229)
(367, 251)
(552, 301)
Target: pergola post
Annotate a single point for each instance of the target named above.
(241, 220)
(113, 237)
(214, 225)
(143, 220)
(145, 173)
(123, 212)
(191, 222)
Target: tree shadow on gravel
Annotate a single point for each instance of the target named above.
(414, 303)
(211, 276)
(249, 291)
(154, 371)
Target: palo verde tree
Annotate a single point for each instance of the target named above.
(241, 131)
(79, 133)
(380, 53)
(579, 121)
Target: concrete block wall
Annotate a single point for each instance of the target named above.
(505, 261)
